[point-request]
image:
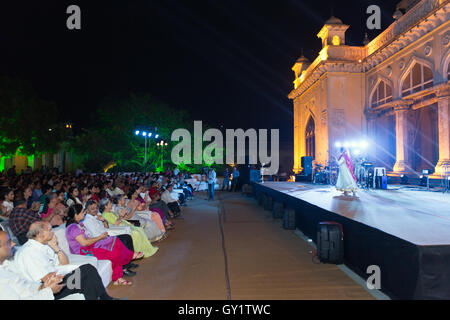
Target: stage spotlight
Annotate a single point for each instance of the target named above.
(338, 144)
(156, 137)
(144, 134)
(346, 144)
(356, 152)
(403, 179)
(353, 144)
(364, 144)
(150, 134)
(137, 132)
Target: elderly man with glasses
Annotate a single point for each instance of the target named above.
(41, 257)
(14, 286)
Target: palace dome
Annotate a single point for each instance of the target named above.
(334, 20)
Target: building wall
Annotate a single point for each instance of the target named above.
(336, 90)
(70, 164)
(346, 107)
(311, 104)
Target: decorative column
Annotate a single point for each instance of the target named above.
(297, 163)
(443, 95)
(402, 163)
(371, 118)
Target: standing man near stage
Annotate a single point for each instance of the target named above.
(235, 181)
(226, 179)
(211, 183)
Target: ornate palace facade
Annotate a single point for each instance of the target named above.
(394, 91)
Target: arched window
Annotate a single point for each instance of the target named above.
(382, 94)
(310, 138)
(336, 41)
(419, 78)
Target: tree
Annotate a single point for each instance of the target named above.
(28, 124)
(112, 136)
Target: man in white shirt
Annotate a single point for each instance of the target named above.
(211, 183)
(14, 286)
(97, 225)
(41, 256)
(170, 201)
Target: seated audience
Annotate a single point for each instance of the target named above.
(120, 208)
(52, 212)
(14, 286)
(7, 204)
(42, 256)
(142, 211)
(21, 219)
(172, 203)
(27, 195)
(140, 240)
(96, 224)
(102, 247)
(72, 197)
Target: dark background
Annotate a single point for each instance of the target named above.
(226, 61)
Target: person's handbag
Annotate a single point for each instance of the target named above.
(136, 223)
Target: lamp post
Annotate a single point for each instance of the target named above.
(162, 144)
(145, 135)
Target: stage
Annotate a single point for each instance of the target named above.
(403, 231)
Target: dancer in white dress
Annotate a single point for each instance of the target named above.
(346, 180)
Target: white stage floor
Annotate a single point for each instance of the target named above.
(420, 217)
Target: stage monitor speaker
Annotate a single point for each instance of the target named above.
(330, 242)
(307, 166)
(289, 222)
(384, 182)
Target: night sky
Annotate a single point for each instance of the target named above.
(227, 61)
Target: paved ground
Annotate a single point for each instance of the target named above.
(255, 259)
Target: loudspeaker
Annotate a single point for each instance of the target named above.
(289, 219)
(330, 242)
(278, 209)
(261, 199)
(307, 166)
(384, 182)
(268, 203)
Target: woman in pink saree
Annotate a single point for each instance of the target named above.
(346, 180)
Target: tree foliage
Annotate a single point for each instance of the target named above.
(112, 136)
(26, 120)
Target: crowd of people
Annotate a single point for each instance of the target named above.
(115, 217)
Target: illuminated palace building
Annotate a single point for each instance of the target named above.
(393, 91)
